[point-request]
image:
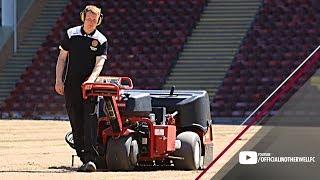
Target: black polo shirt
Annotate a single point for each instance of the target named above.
(83, 49)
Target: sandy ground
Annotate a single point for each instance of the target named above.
(37, 150)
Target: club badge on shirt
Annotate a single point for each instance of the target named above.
(94, 45)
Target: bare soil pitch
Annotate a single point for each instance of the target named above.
(37, 150)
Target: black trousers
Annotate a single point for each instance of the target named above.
(83, 119)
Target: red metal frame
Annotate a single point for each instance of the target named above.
(151, 134)
(113, 90)
(99, 88)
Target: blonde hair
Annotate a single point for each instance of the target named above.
(92, 8)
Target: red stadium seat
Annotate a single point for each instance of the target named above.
(144, 38)
(278, 41)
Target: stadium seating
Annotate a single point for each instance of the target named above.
(283, 34)
(144, 37)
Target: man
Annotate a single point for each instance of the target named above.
(83, 52)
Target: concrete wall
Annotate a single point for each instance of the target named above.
(27, 18)
(22, 8)
(7, 10)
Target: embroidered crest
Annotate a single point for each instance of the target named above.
(94, 45)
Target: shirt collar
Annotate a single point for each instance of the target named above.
(85, 34)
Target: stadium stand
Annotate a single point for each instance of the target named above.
(283, 35)
(144, 39)
(32, 32)
(209, 51)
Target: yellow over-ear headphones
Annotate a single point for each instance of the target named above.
(88, 8)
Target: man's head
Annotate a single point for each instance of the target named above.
(91, 17)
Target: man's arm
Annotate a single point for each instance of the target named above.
(59, 87)
(97, 69)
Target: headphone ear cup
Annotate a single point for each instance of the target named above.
(100, 19)
(82, 16)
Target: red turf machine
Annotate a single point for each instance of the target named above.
(150, 127)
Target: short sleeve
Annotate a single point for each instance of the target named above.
(103, 50)
(65, 44)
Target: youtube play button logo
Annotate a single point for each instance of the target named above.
(248, 157)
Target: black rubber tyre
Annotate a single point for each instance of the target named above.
(121, 154)
(69, 139)
(190, 150)
(100, 163)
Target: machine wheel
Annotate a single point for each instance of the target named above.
(100, 162)
(122, 154)
(69, 139)
(190, 150)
